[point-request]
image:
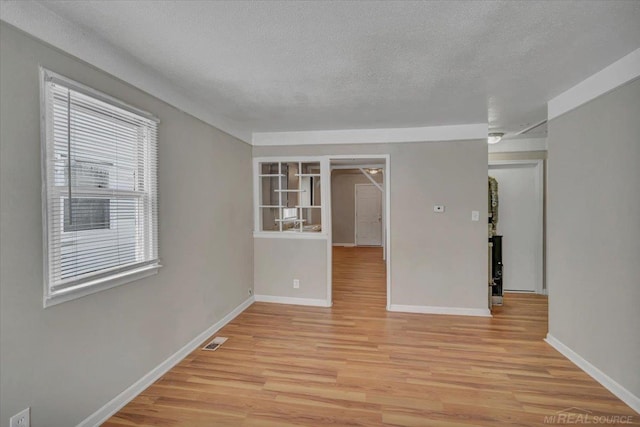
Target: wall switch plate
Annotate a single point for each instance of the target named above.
(475, 215)
(296, 283)
(250, 291)
(438, 208)
(21, 419)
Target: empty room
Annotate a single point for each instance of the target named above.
(309, 213)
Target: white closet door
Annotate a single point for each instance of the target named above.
(368, 215)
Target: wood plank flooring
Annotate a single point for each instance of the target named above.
(356, 364)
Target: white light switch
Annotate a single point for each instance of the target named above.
(438, 208)
(475, 215)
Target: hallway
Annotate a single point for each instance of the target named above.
(359, 278)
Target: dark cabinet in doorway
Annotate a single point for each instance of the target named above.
(497, 269)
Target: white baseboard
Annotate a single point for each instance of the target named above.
(622, 393)
(346, 245)
(425, 309)
(118, 402)
(291, 300)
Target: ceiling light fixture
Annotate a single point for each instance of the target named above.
(373, 171)
(495, 137)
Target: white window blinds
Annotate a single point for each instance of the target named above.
(100, 161)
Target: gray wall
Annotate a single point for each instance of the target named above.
(343, 203)
(594, 233)
(436, 259)
(68, 360)
(279, 261)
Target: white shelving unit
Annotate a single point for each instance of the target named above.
(281, 190)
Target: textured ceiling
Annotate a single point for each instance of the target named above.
(284, 66)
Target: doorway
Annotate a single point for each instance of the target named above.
(359, 222)
(520, 223)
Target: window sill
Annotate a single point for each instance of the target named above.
(102, 284)
(309, 235)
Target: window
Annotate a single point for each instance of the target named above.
(289, 196)
(88, 214)
(100, 201)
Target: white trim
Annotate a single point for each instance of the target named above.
(606, 381)
(620, 72)
(44, 184)
(539, 190)
(518, 145)
(368, 136)
(51, 76)
(315, 302)
(369, 166)
(37, 20)
(386, 252)
(98, 285)
(535, 162)
(346, 245)
(257, 189)
(308, 235)
(327, 225)
(118, 402)
(455, 311)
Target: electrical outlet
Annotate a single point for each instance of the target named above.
(21, 419)
(296, 283)
(475, 215)
(438, 208)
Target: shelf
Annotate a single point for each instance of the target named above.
(290, 220)
(276, 203)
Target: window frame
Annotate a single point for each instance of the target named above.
(324, 198)
(109, 277)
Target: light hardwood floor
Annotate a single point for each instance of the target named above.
(358, 365)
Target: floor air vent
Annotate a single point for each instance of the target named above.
(213, 345)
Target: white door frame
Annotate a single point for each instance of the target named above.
(539, 190)
(355, 217)
(386, 213)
